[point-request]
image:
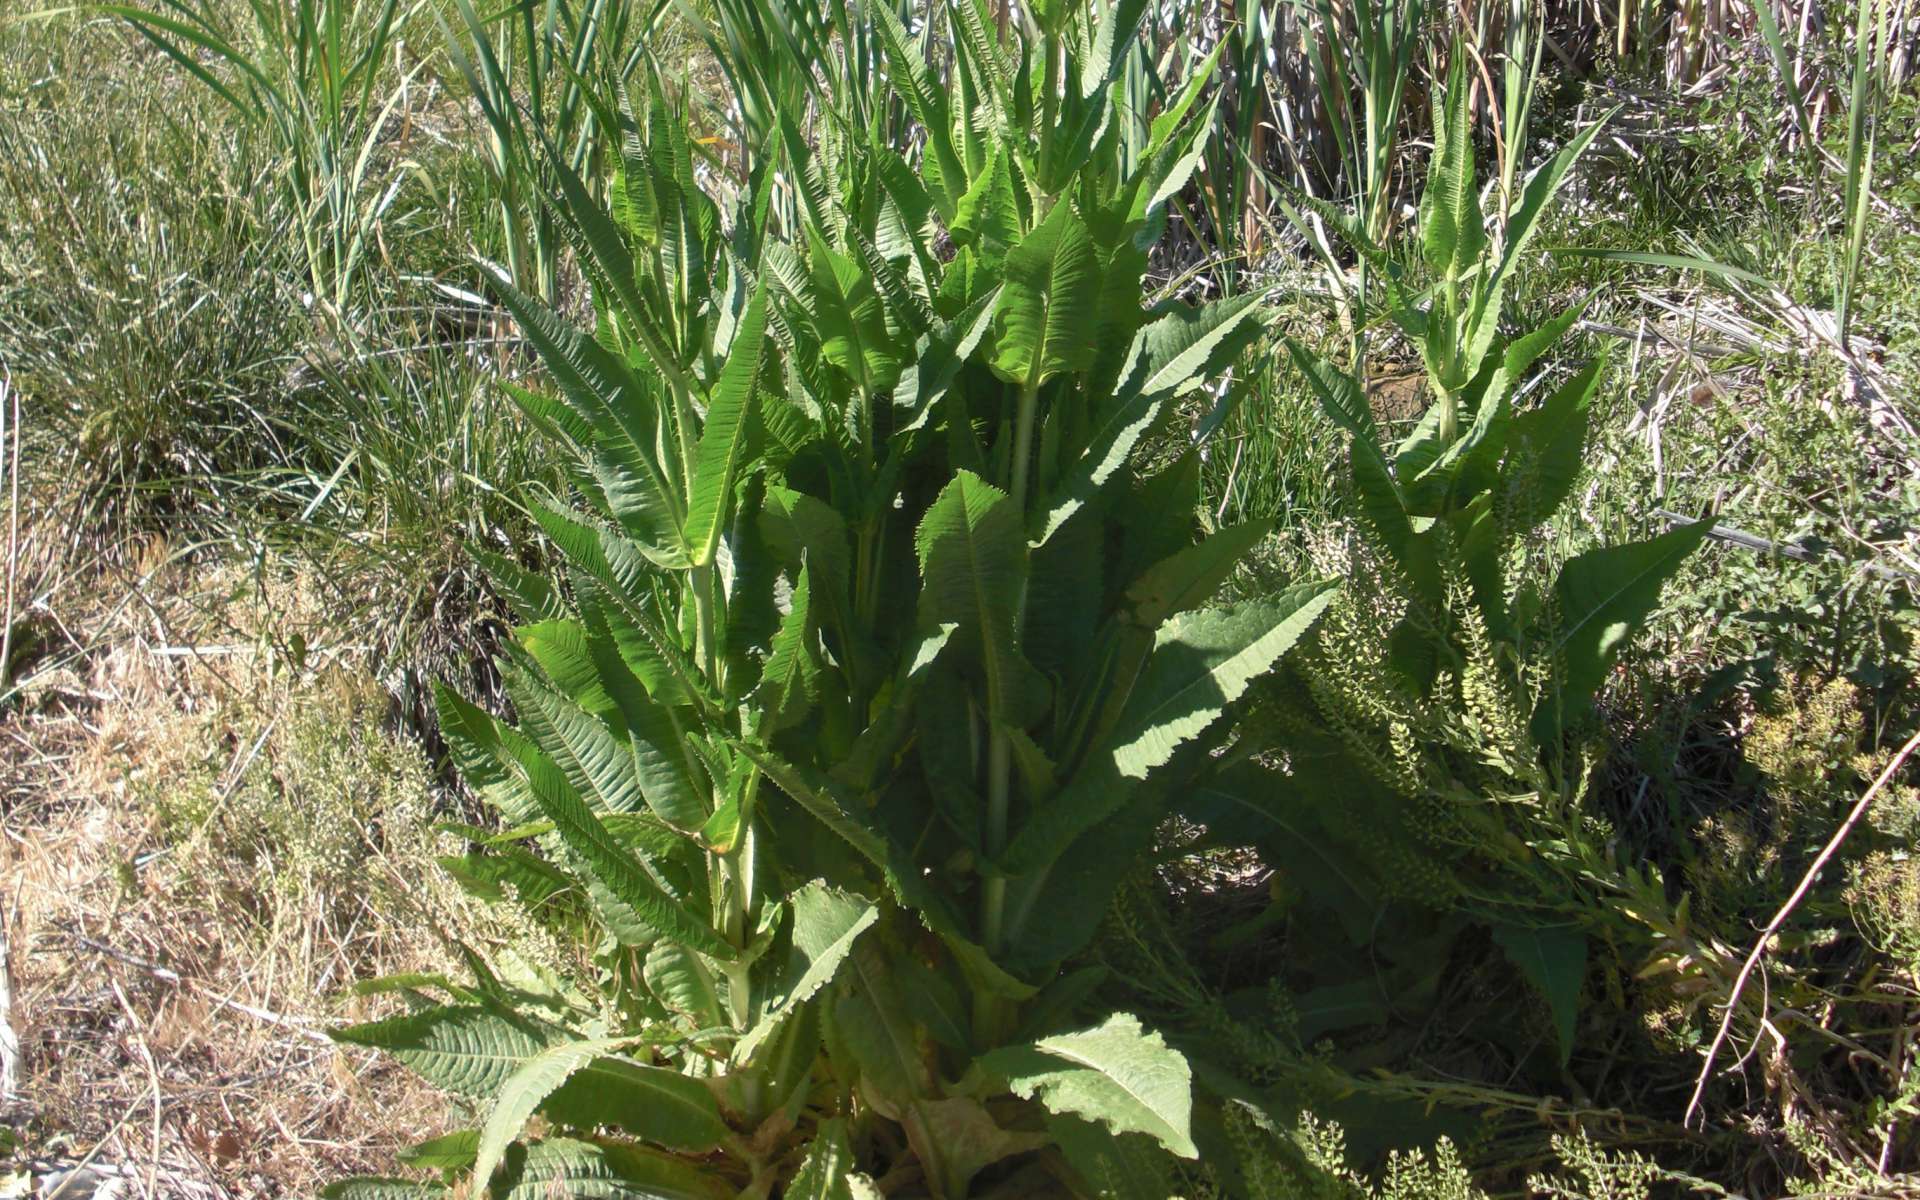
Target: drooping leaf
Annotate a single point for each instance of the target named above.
(624, 879)
(1203, 661)
(663, 1106)
(449, 1151)
(1189, 578)
(598, 766)
(1172, 356)
(662, 766)
(1115, 1073)
(604, 1171)
(377, 1187)
(465, 1049)
(1129, 1166)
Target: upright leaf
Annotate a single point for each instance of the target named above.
(790, 682)
(1047, 316)
(1554, 961)
(973, 567)
(1453, 232)
(723, 438)
(1601, 598)
(826, 921)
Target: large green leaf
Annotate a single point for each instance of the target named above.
(662, 762)
(1202, 662)
(851, 319)
(374, 1187)
(1601, 598)
(723, 438)
(938, 357)
(1047, 316)
(973, 567)
(660, 1105)
(604, 1171)
(988, 211)
(927, 100)
(560, 647)
(453, 1151)
(827, 1172)
(617, 406)
(1118, 1166)
(465, 1049)
(1168, 358)
(623, 878)
(1115, 1073)
(790, 683)
(476, 743)
(1189, 577)
(1453, 232)
(1547, 453)
(804, 530)
(597, 765)
(826, 921)
(681, 980)
(1187, 347)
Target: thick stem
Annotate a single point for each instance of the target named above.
(737, 872)
(704, 650)
(1000, 748)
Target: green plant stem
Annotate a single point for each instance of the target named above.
(705, 652)
(1049, 105)
(736, 869)
(1000, 746)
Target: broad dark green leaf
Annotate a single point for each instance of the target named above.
(973, 567)
(790, 683)
(1046, 319)
(1602, 597)
(1554, 960)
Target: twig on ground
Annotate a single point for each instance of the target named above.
(10, 427)
(1753, 541)
(1780, 918)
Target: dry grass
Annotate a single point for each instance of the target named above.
(199, 854)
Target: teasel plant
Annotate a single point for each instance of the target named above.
(885, 647)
